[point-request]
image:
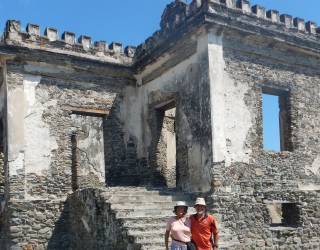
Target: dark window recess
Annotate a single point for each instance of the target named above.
(290, 214)
(284, 214)
(74, 164)
(277, 133)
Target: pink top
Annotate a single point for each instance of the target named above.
(179, 229)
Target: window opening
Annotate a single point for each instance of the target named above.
(276, 121)
(284, 214)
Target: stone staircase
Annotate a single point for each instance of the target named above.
(143, 214)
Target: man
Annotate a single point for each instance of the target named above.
(204, 227)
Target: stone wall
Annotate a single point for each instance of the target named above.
(2, 175)
(181, 78)
(37, 225)
(92, 223)
(56, 104)
(245, 188)
(79, 116)
(46, 159)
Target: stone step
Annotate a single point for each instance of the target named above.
(154, 239)
(135, 221)
(127, 198)
(144, 190)
(153, 208)
(151, 234)
(153, 246)
(146, 231)
(143, 219)
(142, 213)
(142, 230)
(159, 233)
(139, 205)
(142, 226)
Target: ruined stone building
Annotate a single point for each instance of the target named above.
(98, 142)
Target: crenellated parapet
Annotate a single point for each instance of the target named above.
(68, 43)
(296, 24)
(177, 16)
(233, 13)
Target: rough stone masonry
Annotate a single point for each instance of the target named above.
(182, 111)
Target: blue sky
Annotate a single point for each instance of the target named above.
(126, 21)
(131, 22)
(271, 129)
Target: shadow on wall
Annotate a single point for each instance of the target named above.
(122, 164)
(61, 237)
(87, 222)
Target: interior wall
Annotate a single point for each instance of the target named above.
(187, 83)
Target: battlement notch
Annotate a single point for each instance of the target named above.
(14, 35)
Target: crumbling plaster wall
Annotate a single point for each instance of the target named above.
(39, 128)
(230, 117)
(244, 186)
(90, 159)
(252, 72)
(186, 83)
(41, 101)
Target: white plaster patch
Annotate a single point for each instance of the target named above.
(308, 187)
(91, 147)
(230, 117)
(315, 167)
(131, 113)
(217, 90)
(15, 122)
(38, 143)
(29, 89)
(238, 122)
(16, 165)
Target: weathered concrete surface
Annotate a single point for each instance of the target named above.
(230, 116)
(42, 101)
(186, 84)
(269, 177)
(90, 149)
(38, 143)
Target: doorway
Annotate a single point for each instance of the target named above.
(165, 146)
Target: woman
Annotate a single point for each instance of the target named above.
(179, 227)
